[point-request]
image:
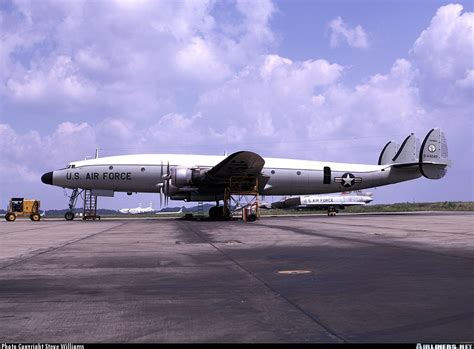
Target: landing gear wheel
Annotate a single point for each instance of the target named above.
(10, 217)
(217, 212)
(69, 216)
(35, 217)
(213, 212)
(220, 212)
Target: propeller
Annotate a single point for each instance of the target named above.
(161, 185)
(167, 183)
(165, 186)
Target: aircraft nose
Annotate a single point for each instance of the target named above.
(47, 178)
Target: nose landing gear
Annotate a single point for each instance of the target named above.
(69, 216)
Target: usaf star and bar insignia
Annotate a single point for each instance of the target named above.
(347, 180)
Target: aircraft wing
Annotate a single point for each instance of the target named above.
(242, 167)
(242, 163)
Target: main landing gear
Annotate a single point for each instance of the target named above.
(332, 211)
(219, 212)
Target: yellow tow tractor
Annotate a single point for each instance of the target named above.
(23, 207)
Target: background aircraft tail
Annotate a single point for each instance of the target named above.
(431, 159)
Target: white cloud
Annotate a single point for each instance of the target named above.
(369, 108)
(273, 98)
(444, 56)
(123, 58)
(89, 59)
(199, 60)
(354, 37)
(61, 80)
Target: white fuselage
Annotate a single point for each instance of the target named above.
(347, 200)
(143, 173)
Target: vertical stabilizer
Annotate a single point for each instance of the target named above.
(388, 153)
(407, 152)
(433, 158)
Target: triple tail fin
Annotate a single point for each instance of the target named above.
(431, 160)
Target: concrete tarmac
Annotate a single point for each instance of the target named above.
(350, 278)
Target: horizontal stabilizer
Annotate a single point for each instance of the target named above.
(388, 153)
(407, 152)
(433, 159)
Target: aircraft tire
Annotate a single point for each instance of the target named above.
(213, 212)
(220, 212)
(69, 216)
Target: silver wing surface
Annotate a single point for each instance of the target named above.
(240, 171)
(239, 164)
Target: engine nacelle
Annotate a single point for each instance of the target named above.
(184, 176)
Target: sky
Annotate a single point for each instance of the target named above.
(317, 80)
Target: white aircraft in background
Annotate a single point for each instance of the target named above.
(169, 212)
(324, 202)
(138, 209)
(208, 178)
(124, 210)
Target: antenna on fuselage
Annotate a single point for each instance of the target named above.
(96, 153)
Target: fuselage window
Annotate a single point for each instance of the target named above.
(272, 171)
(298, 172)
(327, 175)
(143, 169)
(111, 167)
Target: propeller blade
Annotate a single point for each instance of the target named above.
(161, 186)
(167, 183)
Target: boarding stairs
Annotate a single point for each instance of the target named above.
(90, 206)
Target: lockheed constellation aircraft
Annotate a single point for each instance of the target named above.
(205, 178)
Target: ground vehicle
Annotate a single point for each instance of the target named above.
(23, 207)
